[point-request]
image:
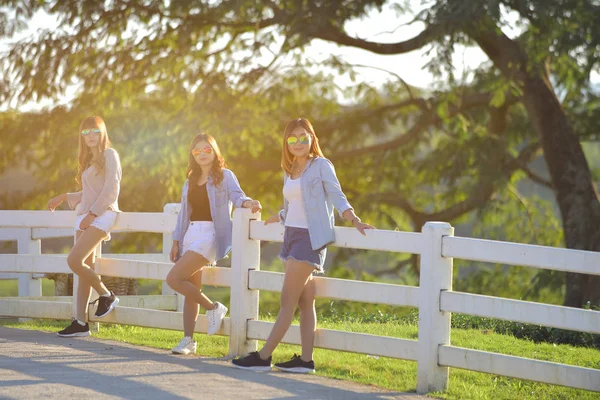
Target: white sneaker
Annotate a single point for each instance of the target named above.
(215, 318)
(186, 346)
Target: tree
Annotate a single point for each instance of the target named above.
(459, 149)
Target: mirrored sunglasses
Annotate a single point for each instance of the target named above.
(95, 131)
(292, 140)
(205, 150)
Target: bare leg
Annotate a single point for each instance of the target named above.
(297, 275)
(190, 307)
(84, 290)
(178, 278)
(83, 252)
(308, 319)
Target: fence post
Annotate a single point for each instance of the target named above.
(94, 326)
(170, 209)
(30, 285)
(434, 325)
(245, 256)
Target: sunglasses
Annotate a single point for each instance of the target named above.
(94, 131)
(206, 150)
(302, 139)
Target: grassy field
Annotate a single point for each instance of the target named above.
(10, 287)
(385, 372)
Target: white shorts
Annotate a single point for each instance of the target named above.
(200, 238)
(104, 222)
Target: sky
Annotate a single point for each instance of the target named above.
(384, 26)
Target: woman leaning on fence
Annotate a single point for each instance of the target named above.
(311, 190)
(99, 175)
(203, 233)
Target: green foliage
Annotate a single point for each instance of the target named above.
(159, 72)
(535, 333)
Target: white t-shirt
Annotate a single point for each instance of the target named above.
(296, 215)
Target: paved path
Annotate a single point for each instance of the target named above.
(41, 365)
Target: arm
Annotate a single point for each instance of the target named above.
(177, 233)
(236, 194)
(112, 183)
(58, 200)
(333, 189)
(73, 199)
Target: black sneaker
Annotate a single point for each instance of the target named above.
(253, 361)
(297, 365)
(75, 330)
(105, 304)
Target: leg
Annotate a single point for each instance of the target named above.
(190, 307)
(178, 278)
(85, 245)
(297, 275)
(308, 319)
(84, 290)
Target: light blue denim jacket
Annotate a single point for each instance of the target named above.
(221, 198)
(321, 192)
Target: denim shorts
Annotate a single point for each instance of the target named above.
(200, 238)
(296, 246)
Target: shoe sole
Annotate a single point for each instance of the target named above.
(257, 368)
(76, 334)
(297, 370)
(210, 333)
(185, 353)
(112, 307)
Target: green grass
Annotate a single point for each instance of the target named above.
(385, 372)
(10, 287)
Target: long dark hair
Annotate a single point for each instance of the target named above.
(194, 172)
(287, 158)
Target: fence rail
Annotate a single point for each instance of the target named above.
(527, 312)
(543, 257)
(436, 246)
(518, 367)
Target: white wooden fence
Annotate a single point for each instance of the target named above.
(435, 299)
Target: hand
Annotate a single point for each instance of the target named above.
(55, 202)
(86, 222)
(361, 226)
(274, 218)
(174, 255)
(253, 205)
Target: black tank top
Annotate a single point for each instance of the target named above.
(198, 198)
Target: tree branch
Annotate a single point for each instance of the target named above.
(426, 120)
(333, 34)
(533, 176)
(480, 194)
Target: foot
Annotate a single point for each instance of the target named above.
(253, 361)
(215, 318)
(186, 346)
(297, 365)
(105, 305)
(75, 330)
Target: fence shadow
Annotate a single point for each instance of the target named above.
(44, 364)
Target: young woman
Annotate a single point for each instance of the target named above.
(203, 233)
(96, 204)
(311, 190)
